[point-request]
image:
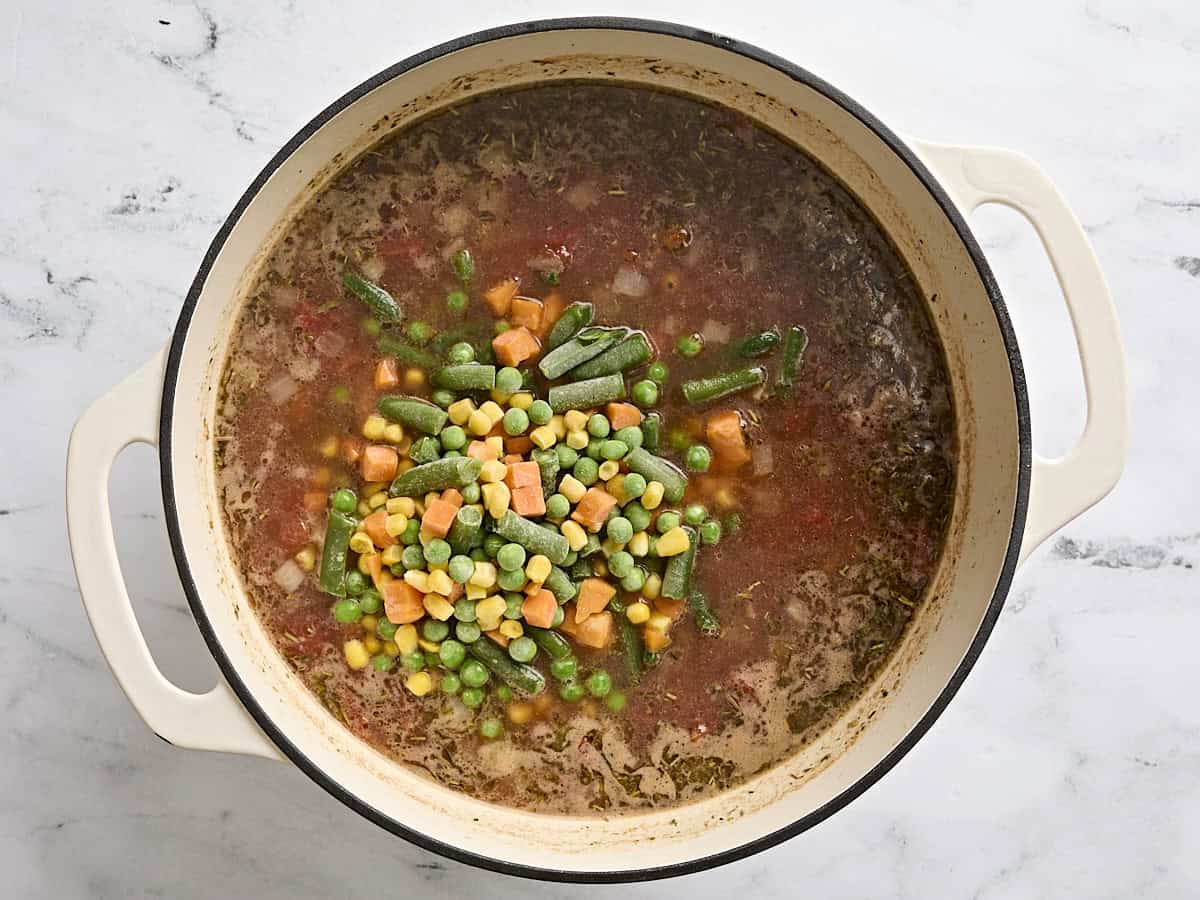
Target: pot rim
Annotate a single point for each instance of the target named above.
(869, 778)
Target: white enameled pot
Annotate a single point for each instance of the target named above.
(1008, 500)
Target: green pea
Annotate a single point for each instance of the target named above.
(657, 372)
(491, 728)
(694, 514)
(467, 632)
(474, 673)
(570, 558)
(511, 557)
(597, 426)
(559, 616)
(355, 582)
(344, 501)
(492, 544)
(631, 436)
(644, 393)
(634, 485)
(443, 397)
(452, 653)
(453, 437)
(347, 611)
(565, 668)
(473, 697)
(460, 568)
(464, 610)
(710, 531)
(419, 332)
(586, 471)
(689, 345)
(540, 412)
(733, 523)
(414, 662)
(435, 631)
(471, 492)
(513, 601)
(571, 691)
(511, 579)
(635, 580)
(516, 421)
(557, 506)
(386, 629)
(370, 602)
(460, 354)
(477, 555)
(438, 552)
(413, 557)
(698, 458)
(616, 701)
(432, 660)
(501, 326)
(463, 265)
(666, 521)
(340, 394)
(593, 448)
(411, 536)
(503, 693)
(638, 516)
(451, 683)
(679, 439)
(567, 456)
(372, 326)
(619, 530)
(599, 684)
(457, 302)
(523, 649)
(613, 449)
(382, 662)
(508, 380)
(425, 450)
(620, 563)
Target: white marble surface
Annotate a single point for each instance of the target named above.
(1069, 765)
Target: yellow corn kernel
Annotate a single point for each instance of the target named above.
(438, 607)
(492, 471)
(329, 447)
(498, 396)
(428, 646)
(574, 533)
(521, 400)
(653, 586)
(386, 577)
(431, 496)
(372, 644)
(357, 656)
(373, 487)
(392, 555)
(609, 469)
(440, 582)
(391, 648)
(489, 611)
(374, 427)
(376, 500)
(364, 563)
(484, 575)
(360, 543)
(511, 629)
(418, 508)
(406, 638)
(572, 488)
(413, 378)
(616, 487)
(394, 433)
(519, 713)
(637, 613)
(496, 498)
(599, 567)
(402, 505)
(479, 424)
(609, 547)
(418, 579)
(419, 683)
(558, 424)
(543, 436)
(363, 508)
(395, 524)
(639, 544)
(538, 568)
(577, 440)
(673, 542)
(368, 623)
(653, 495)
(475, 592)
(492, 410)
(658, 622)
(460, 411)
(425, 537)
(575, 420)
(725, 499)
(306, 559)
(495, 443)
(403, 466)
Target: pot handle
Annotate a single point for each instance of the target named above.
(1060, 489)
(212, 721)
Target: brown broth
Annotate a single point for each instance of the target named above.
(839, 538)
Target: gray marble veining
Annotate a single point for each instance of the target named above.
(1069, 764)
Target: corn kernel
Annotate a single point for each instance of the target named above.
(637, 613)
(418, 579)
(558, 424)
(489, 611)
(577, 440)
(492, 471)
(653, 586)
(373, 428)
(495, 443)
(538, 568)
(572, 488)
(428, 646)
(511, 629)
(609, 547)
(440, 583)
(479, 424)
(368, 623)
(574, 533)
(406, 638)
(425, 536)
(395, 524)
(484, 575)
(390, 648)
(599, 567)
(543, 436)
(609, 469)
(492, 410)
(496, 498)
(616, 487)
(360, 543)
(475, 592)
(373, 487)
(329, 447)
(372, 644)
(725, 498)
(521, 400)
(394, 433)
(376, 500)
(402, 506)
(386, 577)
(357, 656)
(418, 508)
(419, 683)
(575, 420)
(364, 563)
(460, 411)
(519, 713)
(306, 559)
(658, 622)
(431, 496)
(413, 378)
(639, 544)
(653, 495)
(404, 465)
(363, 508)
(392, 555)
(673, 542)
(438, 607)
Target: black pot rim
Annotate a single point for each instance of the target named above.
(876, 772)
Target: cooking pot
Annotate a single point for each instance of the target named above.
(1007, 499)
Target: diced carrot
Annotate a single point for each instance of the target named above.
(526, 311)
(539, 608)
(387, 373)
(499, 297)
(622, 415)
(379, 463)
(518, 446)
(314, 501)
(375, 527)
(456, 591)
(510, 458)
(595, 631)
(528, 501)
(481, 451)
(594, 594)
(554, 303)
(593, 509)
(402, 603)
(655, 641)
(453, 497)
(375, 564)
(514, 346)
(497, 430)
(523, 474)
(724, 433)
(352, 448)
(439, 516)
(672, 609)
(499, 638)
(568, 626)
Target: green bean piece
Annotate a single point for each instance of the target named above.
(560, 585)
(714, 387)
(466, 532)
(574, 319)
(593, 545)
(706, 619)
(759, 344)
(468, 377)
(586, 394)
(547, 461)
(551, 642)
(390, 345)
(454, 472)
(532, 536)
(677, 579)
(517, 676)
(383, 305)
(333, 557)
(632, 647)
(652, 431)
(463, 265)
(631, 352)
(580, 570)
(795, 342)
(414, 413)
(588, 344)
(655, 468)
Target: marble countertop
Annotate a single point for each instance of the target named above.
(1069, 765)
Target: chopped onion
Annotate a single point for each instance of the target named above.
(583, 195)
(289, 576)
(331, 343)
(630, 282)
(716, 332)
(764, 459)
(281, 388)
